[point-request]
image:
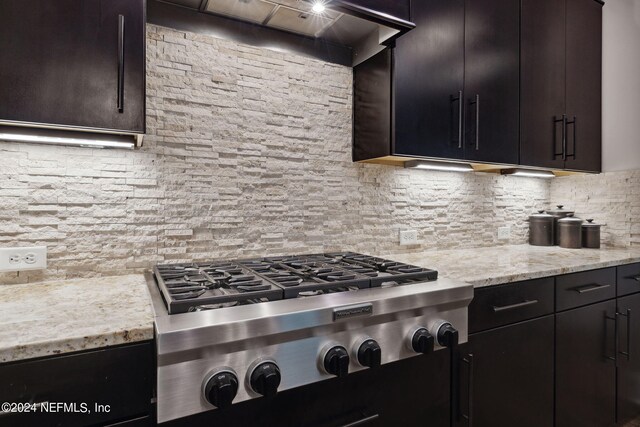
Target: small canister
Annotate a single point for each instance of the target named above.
(591, 235)
(570, 232)
(558, 214)
(541, 229)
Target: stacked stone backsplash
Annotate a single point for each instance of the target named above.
(247, 153)
(612, 198)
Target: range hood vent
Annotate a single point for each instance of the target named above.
(338, 22)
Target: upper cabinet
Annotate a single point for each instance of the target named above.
(73, 64)
(427, 78)
(450, 86)
(561, 53)
(487, 81)
(491, 80)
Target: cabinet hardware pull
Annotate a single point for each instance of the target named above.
(469, 416)
(498, 309)
(627, 353)
(363, 421)
(572, 122)
(614, 358)
(120, 63)
(590, 288)
(555, 121)
(636, 278)
(477, 102)
(460, 113)
(564, 137)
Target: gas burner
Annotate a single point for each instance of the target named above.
(207, 286)
(213, 285)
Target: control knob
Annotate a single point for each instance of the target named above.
(447, 335)
(265, 379)
(369, 353)
(336, 361)
(221, 388)
(421, 341)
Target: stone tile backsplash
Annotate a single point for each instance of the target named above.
(247, 153)
(611, 198)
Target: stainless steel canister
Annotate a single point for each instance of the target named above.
(570, 232)
(591, 235)
(541, 229)
(558, 214)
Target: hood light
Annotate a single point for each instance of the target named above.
(318, 7)
(528, 173)
(56, 140)
(439, 166)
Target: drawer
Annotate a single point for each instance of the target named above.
(588, 287)
(628, 279)
(502, 305)
(118, 378)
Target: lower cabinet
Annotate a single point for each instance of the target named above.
(506, 376)
(559, 352)
(113, 385)
(629, 358)
(586, 367)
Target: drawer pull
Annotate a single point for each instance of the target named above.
(636, 278)
(590, 288)
(500, 309)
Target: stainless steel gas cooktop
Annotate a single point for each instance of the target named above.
(232, 331)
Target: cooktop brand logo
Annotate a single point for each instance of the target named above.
(352, 311)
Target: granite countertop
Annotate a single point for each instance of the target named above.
(505, 264)
(49, 318)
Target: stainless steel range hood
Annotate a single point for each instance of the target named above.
(338, 22)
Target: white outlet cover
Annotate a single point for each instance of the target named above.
(408, 237)
(504, 233)
(23, 258)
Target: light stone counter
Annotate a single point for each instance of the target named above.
(49, 318)
(504, 264)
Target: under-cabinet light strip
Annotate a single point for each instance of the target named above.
(100, 143)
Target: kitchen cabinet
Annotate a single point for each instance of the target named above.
(428, 111)
(629, 357)
(487, 81)
(491, 80)
(585, 366)
(120, 378)
(460, 61)
(511, 377)
(73, 64)
(503, 379)
(561, 55)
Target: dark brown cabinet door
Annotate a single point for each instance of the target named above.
(512, 377)
(543, 83)
(584, 85)
(428, 81)
(629, 358)
(585, 376)
(59, 63)
(492, 74)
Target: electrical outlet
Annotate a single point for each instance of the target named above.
(504, 233)
(408, 237)
(20, 259)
